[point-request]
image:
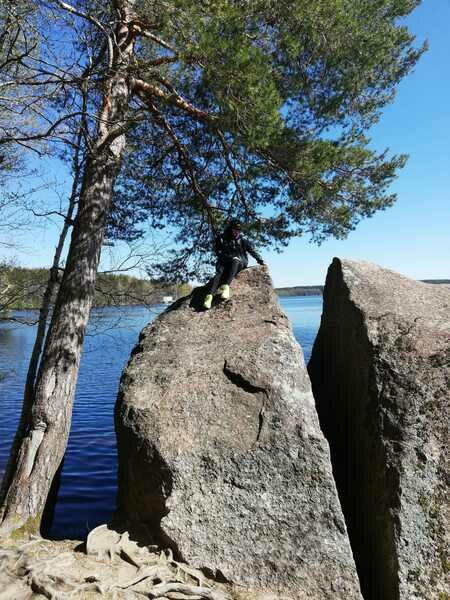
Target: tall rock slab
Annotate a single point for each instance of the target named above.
(380, 376)
(221, 456)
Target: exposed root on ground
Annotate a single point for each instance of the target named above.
(114, 567)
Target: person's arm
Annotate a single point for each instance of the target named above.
(253, 252)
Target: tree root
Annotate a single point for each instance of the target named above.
(188, 590)
(155, 573)
(115, 568)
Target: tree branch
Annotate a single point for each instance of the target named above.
(50, 213)
(233, 171)
(147, 91)
(94, 21)
(185, 161)
(39, 136)
(155, 38)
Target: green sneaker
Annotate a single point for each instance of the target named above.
(207, 302)
(225, 292)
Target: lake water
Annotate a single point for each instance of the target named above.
(86, 495)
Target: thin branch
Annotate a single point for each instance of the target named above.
(157, 40)
(185, 161)
(144, 90)
(232, 170)
(49, 214)
(39, 136)
(92, 20)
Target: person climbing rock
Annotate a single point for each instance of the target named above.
(232, 250)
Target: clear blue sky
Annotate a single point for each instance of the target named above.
(413, 237)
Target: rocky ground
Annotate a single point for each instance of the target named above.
(109, 566)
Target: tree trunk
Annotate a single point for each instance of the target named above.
(36, 458)
(44, 311)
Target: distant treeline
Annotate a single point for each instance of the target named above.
(317, 290)
(22, 288)
(301, 290)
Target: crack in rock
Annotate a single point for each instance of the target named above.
(261, 422)
(241, 382)
(238, 380)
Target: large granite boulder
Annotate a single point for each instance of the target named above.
(221, 456)
(380, 374)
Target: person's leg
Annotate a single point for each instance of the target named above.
(233, 269)
(217, 277)
(230, 273)
(213, 286)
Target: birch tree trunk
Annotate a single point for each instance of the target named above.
(46, 420)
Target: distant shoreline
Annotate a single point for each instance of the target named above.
(300, 290)
(317, 290)
(297, 290)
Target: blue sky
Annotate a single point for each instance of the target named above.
(413, 236)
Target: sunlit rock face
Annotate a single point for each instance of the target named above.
(221, 454)
(380, 372)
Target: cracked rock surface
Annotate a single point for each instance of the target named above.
(380, 375)
(221, 456)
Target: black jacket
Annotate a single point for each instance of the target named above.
(228, 247)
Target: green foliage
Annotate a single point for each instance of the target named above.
(302, 290)
(22, 288)
(237, 75)
(114, 290)
(260, 109)
(327, 62)
(293, 85)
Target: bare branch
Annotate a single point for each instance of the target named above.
(185, 161)
(39, 136)
(147, 91)
(50, 213)
(158, 40)
(94, 21)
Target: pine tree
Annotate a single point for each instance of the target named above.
(198, 110)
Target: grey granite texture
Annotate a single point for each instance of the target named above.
(221, 456)
(380, 376)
